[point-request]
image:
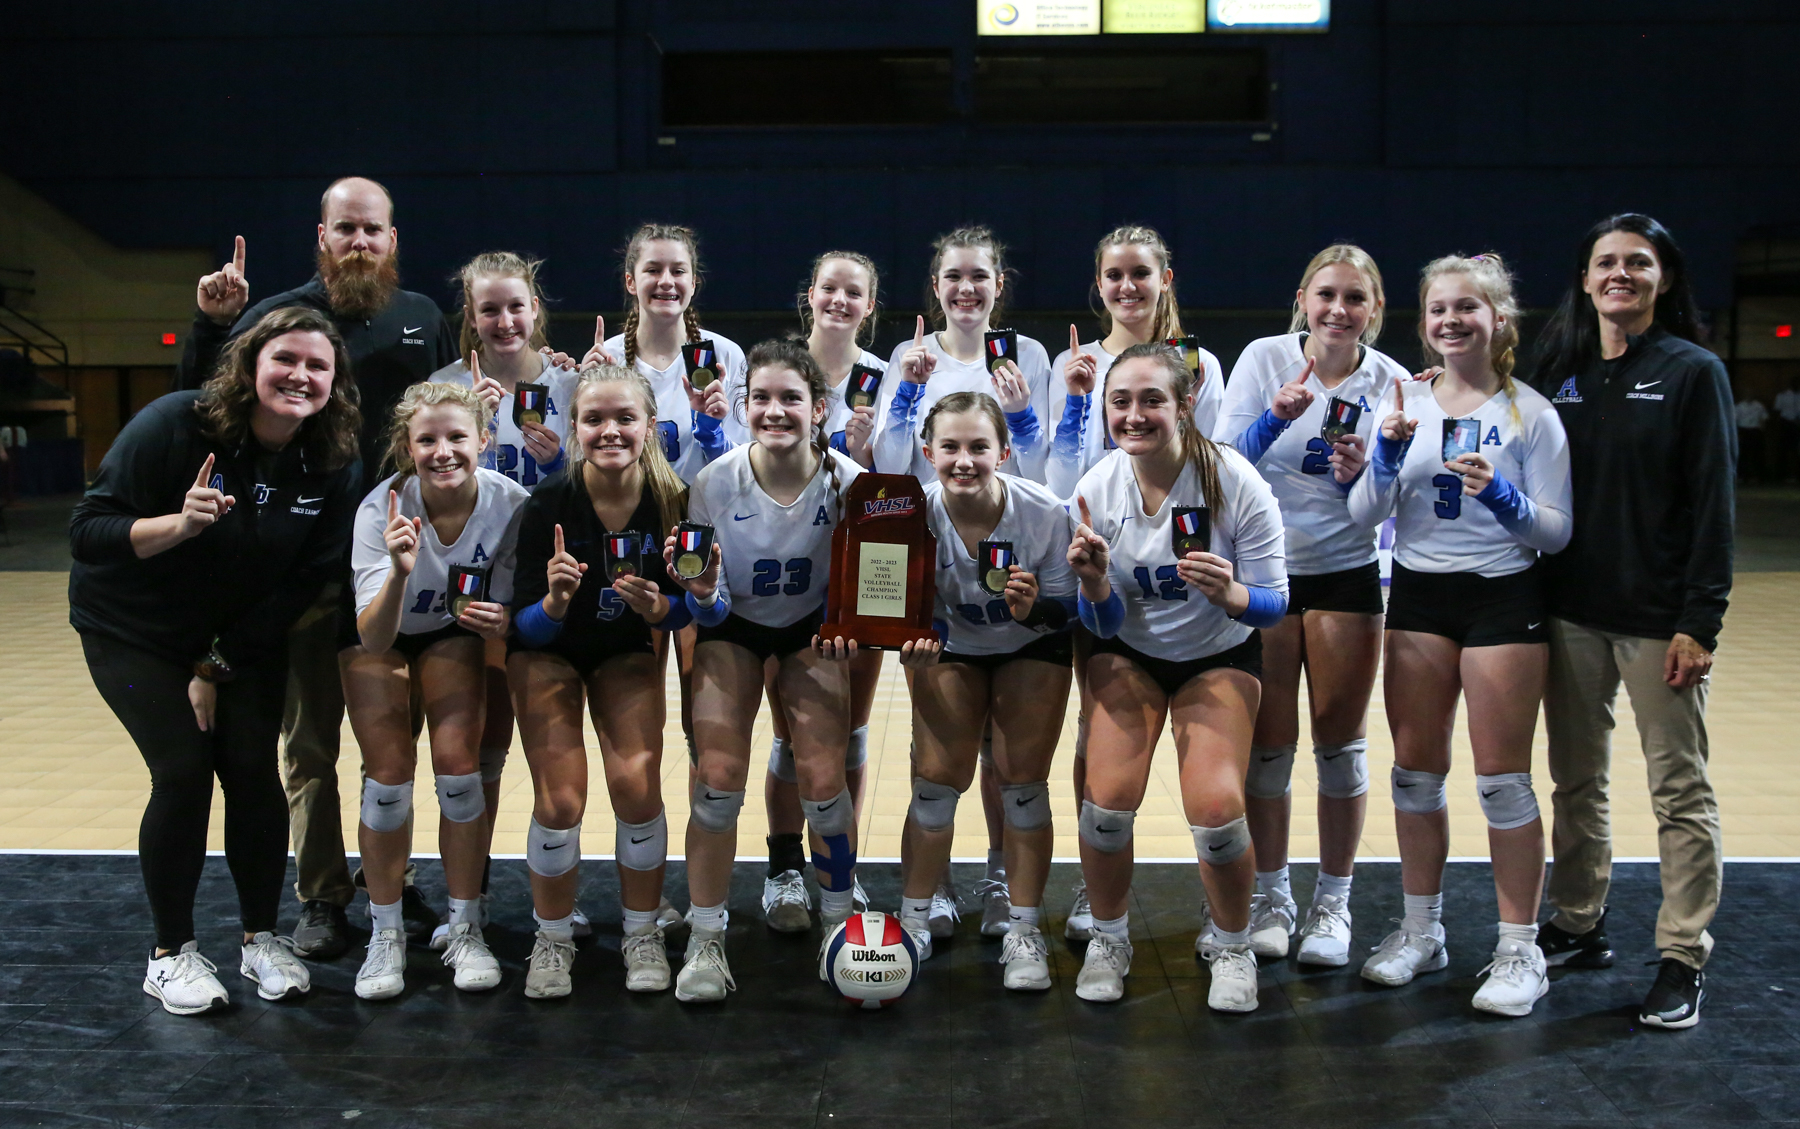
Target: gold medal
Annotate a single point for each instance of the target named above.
(689, 565)
(460, 605)
(995, 580)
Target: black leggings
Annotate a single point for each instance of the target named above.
(149, 695)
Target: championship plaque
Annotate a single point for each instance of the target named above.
(1191, 530)
(528, 403)
(1461, 437)
(1189, 348)
(883, 565)
(624, 554)
(1002, 346)
(693, 549)
(996, 558)
(467, 586)
(860, 389)
(1341, 417)
(700, 357)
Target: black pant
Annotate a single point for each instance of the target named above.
(149, 695)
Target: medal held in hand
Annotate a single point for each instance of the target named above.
(693, 549)
(528, 403)
(1461, 437)
(1341, 417)
(996, 558)
(1189, 347)
(1191, 531)
(1002, 346)
(699, 357)
(467, 586)
(860, 389)
(624, 554)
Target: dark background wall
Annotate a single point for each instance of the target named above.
(1414, 127)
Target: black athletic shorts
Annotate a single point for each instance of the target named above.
(764, 642)
(1058, 647)
(1356, 590)
(410, 646)
(1173, 674)
(1474, 610)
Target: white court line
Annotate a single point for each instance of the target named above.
(884, 859)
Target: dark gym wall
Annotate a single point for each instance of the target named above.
(1415, 127)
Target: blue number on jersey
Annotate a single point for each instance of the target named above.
(671, 438)
(1450, 496)
(423, 605)
(765, 578)
(995, 611)
(515, 464)
(1172, 587)
(1318, 456)
(612, 605)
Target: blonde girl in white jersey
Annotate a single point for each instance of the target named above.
(837, 315)
(1475, 469)
(1275, 414)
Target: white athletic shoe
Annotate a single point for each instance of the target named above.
(859, 897)
(646, 961)
(547, 974)
(1404, 954)
(440, 936)
(184, 981)
(668, 917)
(1325, 938)
(1027, 960)
(1080, 925)
(1517, 977)
(996, 905)
(921, 936)
(270, 961)
(383, 972)
(579, 924)
(787, 906)
(1103, 970)
(944, 913)
(1272, 920)
(1233, 979)
(467, 953)
(1206, 942)
(705, 975)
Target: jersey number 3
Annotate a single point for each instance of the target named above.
(1450, 496)
(765, 578)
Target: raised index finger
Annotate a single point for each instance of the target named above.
(1399, 396)
(1086, 518)
(599, 331)
(559, 539)
(1074, 341)
(237, 255)
(205, 474)
(919, 333)
(393, 505)
(474, 366)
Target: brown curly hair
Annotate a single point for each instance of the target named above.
(228, 400)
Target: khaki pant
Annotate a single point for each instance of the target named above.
(1586, 667)
(310, 725)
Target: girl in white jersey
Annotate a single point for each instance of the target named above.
(1005, 599)
(774, 504)
(837, 312)
(1179, 555)
(433, 563)
(965, 295)
(1475, 469)
(1276, 415)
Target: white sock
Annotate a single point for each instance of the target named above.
(836, 904)
(1331, 886)
(914, 909)
(1272, 882)
(1241, 937)
(996, 868)
(1423, 911)
(710, 918)
(1022, 916)
(638, 921)
(465, 912)
(1119, 928)
(557, 929)
(386, 917)
(1525, 935)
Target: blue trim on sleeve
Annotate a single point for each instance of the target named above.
(678, 617)
(709, 617)
(709, 433)
(1388, 454)
(906, 398)
(1267, 607)
(1511, 508)
(1066, 443)
(1104, 620)
(839, 443)
(1024, 427)
(536, 628)
(1255, 440)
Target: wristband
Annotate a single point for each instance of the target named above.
(213, 667)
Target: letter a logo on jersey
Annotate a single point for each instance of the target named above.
(1568, 393)
(821, 518)
(217, 483)
(480, 554)
(1493, 437)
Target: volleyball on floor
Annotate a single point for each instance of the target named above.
(870, 959)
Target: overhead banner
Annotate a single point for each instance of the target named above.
(1152, 17)
(1268, 15)
(1037, 17)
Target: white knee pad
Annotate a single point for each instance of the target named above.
(1104, 829)
(493, 763)
(1271, 770)
(1343, 769)
(712, 809)
(781, 761)
(1420, 793)
(1218, 846)
(385, 806)
(641, 846)
(1507, 799)
(1027, 806)
(835, 816)
(856, 750)
(933, 805)
(460, 797)
(550, 853)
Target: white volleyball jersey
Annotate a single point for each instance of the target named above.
(506, 451)
(1438, 528)
(1038, 525)
(776, 560)
(674, 415)
(489, 540)
(1163, 617)
(838, 415)
(899, 441)
(1321, 537)
(1078, 436)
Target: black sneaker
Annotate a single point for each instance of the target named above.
(323, 932)
(1674, 1000)
(1563, 949)
(416, 913)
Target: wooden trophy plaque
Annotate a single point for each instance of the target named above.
(883, 565)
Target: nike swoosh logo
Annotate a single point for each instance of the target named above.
(1333, 756)
(828, 807)
(308, 501)
(1533, 626)
(412, 329)
(710, 796)
(1406, 784)
(1106, 830)
(1652, 384)
(385, 803)
(453, 795)
(1217, 846)
(1266, 760)
(1490, 795)
(1023, 802)
(742, 517)
(554, 846)
(645, 839)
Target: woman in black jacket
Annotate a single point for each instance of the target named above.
(213, 522)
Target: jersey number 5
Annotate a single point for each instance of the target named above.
(765, 577)
(1450, 496)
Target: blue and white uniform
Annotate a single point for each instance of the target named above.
(1078, 430)
(972, 620)
(903, 405)
(506, 451)
(692, 439)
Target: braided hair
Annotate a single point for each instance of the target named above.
(634, 250)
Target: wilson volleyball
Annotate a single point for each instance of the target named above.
(870, 960)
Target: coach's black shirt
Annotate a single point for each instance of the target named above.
(245, 579)
(1652, 455)
(400, 346)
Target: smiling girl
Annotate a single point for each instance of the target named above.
(1474, 468)
(433, 563)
